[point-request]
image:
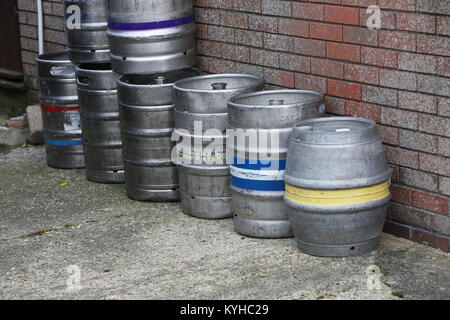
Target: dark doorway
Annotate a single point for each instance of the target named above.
(10, 55)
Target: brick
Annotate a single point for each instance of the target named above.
(402, 157)
(222, 4)
(433, 84)
(443, 66)
(430, 239)
(410, 216)
(388, 135)
(363, 36)
(324, 67)
(344, 89)
(363, 110)
(293, 27)
(310, 47)
(417, 62)
(295, 63)
(360, 73)
(430, 202)
(278, 77)
(443, 25)
(342, 15)
(444, 185)
(418, 179)
(276, 8)
(418, 141)
(309, 82)
(398, 79)
(309, 11)
(210, 16)
(218, 33)
(358, 3)
(379, 95)
(263, 23)
(342, 51)
(265, 58)
(397, 229)
(444, 147)
(434, 125)
(397, 40)
(278, 42)
(416, 22)
(249, 38)
(379, 57)
(433, 6)
(249, 69)
(247, 5)
(235, 19)
(434, 164)
(417, 102)
(325, 31)
(444, 107)
(335, 105)
(407, 5)
(388, 18)
(433, 45)
(400, 194)
(399, 118)
(440, 224)
(222, 66)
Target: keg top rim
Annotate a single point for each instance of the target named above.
(179, 84)
(310, 125)
(235, 101)
(60, 56)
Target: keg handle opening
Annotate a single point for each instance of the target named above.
(83, 80)
(276, 102)
(219, 85)
(322, 109)
(62, 71)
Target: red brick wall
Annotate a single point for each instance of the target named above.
(397, 76)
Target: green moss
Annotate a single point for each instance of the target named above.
(397, 294)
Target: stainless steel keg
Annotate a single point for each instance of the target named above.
(100, 122)
(147, 121)
(60, 110)
(86, 29)
(149, 37)
(262, 124)
(201, 121)
(337, 186)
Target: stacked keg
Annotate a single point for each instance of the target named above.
(262, 124)
(152, 46)
(201, 120)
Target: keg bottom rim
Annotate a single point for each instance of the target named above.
(347, 250)
(269, 229)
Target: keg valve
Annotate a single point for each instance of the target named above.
(276, 102)
(219, 85)
(159, 80)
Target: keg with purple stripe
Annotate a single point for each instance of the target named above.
(262, 123)
(149, 37)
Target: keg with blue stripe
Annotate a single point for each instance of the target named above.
(60, 110)
(147, 124)
(151, 36)
(201, 121)
(100, 122)
(262, 124)
(337, 186)
(86, 30)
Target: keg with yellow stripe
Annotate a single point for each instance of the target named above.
(337, 186)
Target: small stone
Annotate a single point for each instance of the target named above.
(35, 125)
(12, 136)
(17, 122)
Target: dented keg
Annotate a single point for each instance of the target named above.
(149, 37)
(100, 121)
(262, 124)
(86, 29)
(147, 121)
(337, 186)
(201, 120)
(60, 110)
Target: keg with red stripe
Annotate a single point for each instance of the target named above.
(60, 110)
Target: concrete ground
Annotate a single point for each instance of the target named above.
(56, 226)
